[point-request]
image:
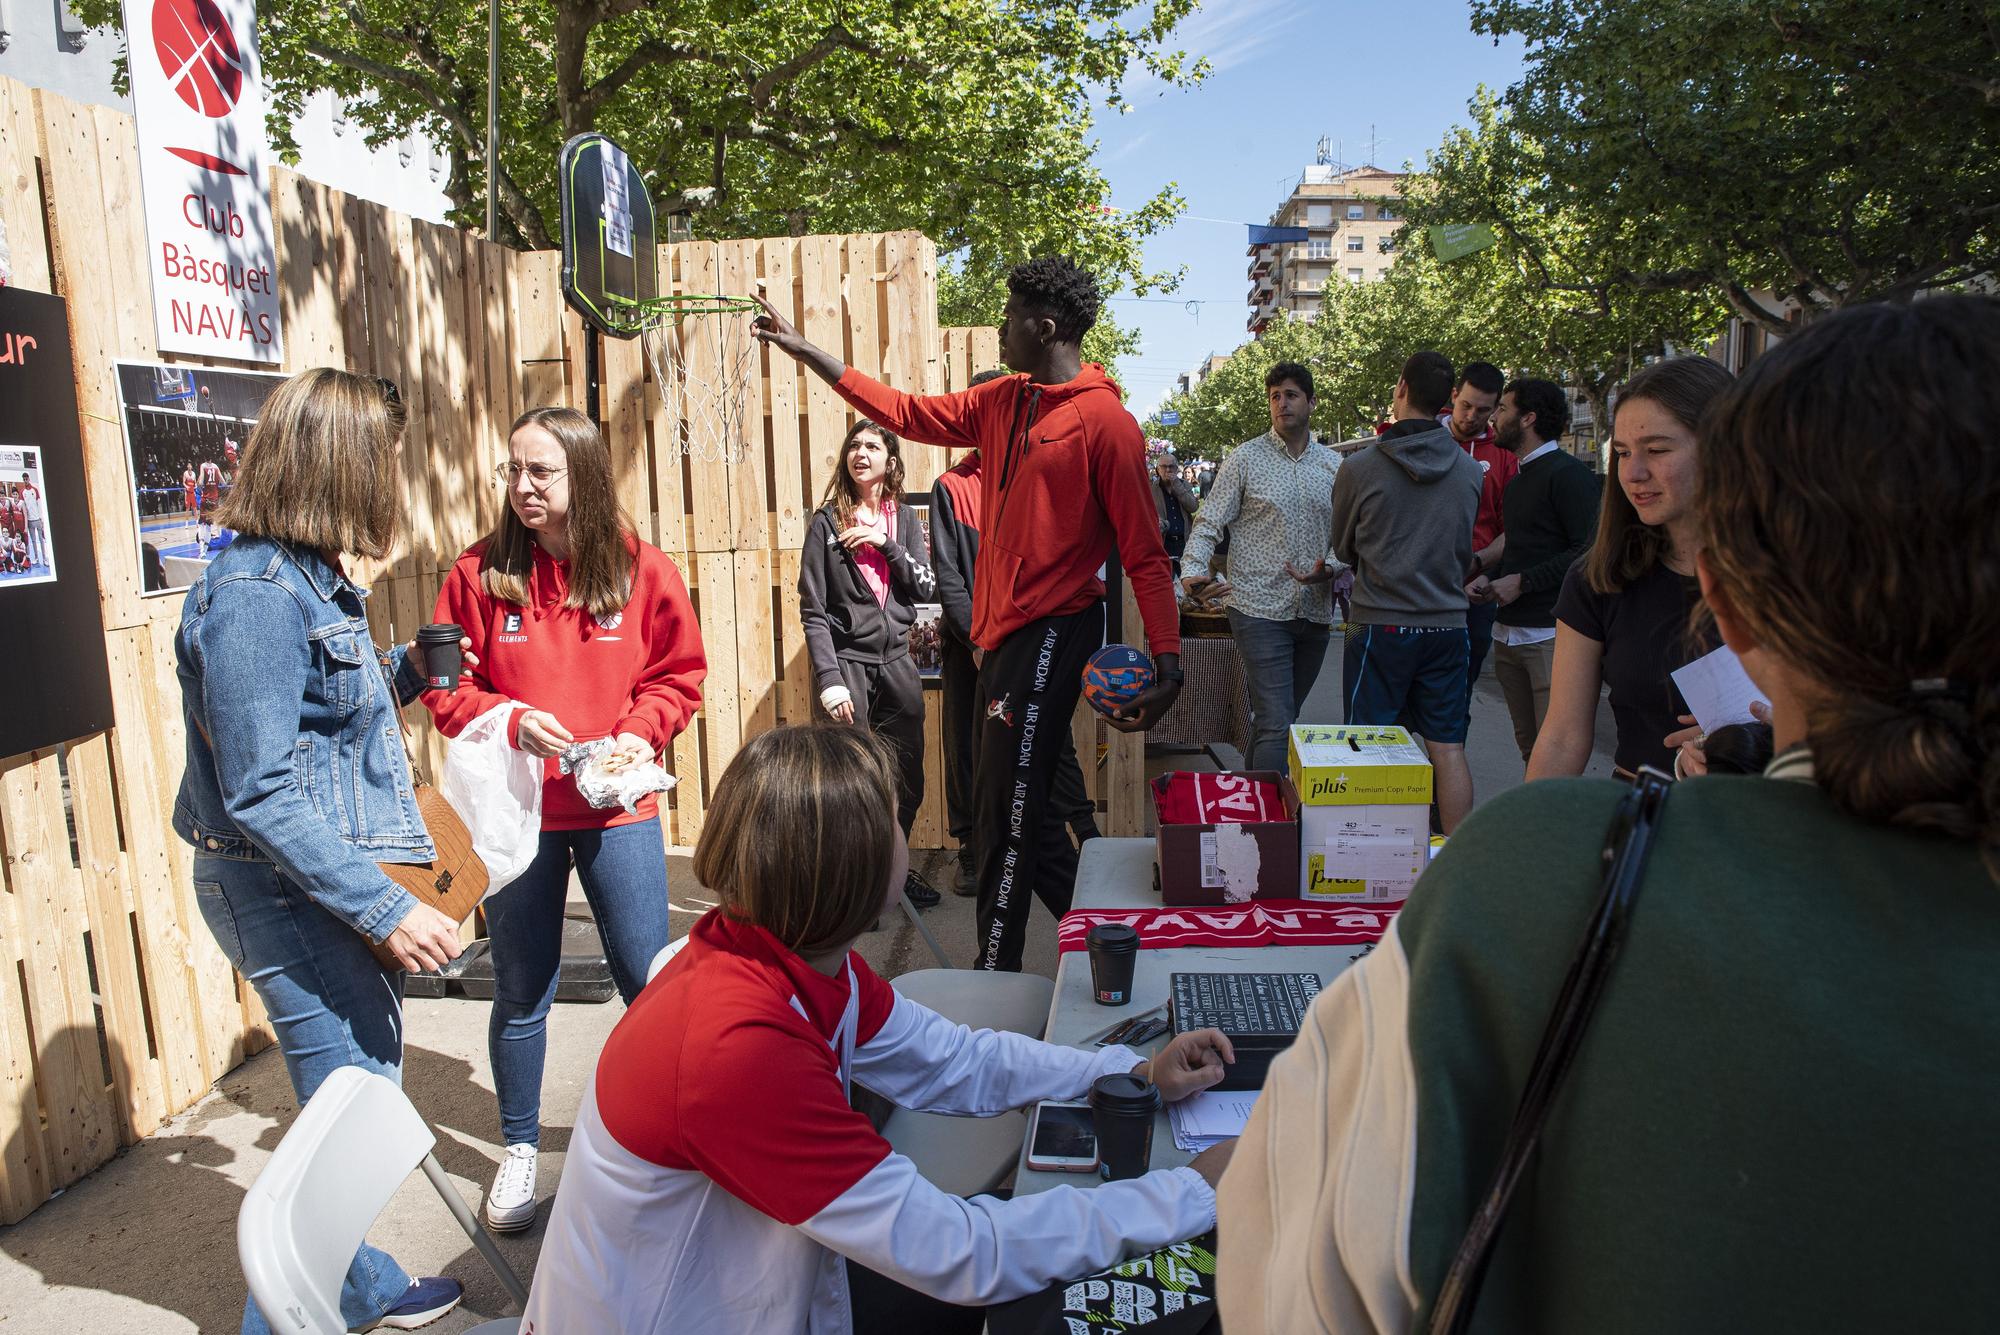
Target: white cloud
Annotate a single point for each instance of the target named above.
(1228, 33)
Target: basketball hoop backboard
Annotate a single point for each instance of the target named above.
(611, 264)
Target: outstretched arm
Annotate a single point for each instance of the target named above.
(933, 419)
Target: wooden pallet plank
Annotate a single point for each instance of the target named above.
(80, 237)
(538, 329)
(928, 830)
(711, 501)
(441, 296)
(862, 295)
(397, 274)
(624, 407)
(24, 1164)
(721, 707)
(790, 499)
(308, 259)
(756, 644)
(494, 334)
(795, 694)
(21, 186)
(823, 324)
(135, 1070)
(742, 387)
(81, 1128)
(169, 939)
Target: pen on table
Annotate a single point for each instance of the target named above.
(1104, 1035)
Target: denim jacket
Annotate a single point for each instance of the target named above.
(294, 748)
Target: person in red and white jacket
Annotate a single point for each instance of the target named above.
(718, 1175)
(1064, 481)
(590, 630)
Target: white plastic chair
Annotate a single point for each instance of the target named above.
(967, 1156)
(306, 1214)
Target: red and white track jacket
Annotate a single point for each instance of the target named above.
(717, 1174)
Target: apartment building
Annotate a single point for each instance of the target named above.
(1191, 381)
(1350, 215)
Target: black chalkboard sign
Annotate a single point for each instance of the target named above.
(54, 684)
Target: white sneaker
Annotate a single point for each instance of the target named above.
(510, 1203)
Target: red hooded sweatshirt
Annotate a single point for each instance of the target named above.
(638, 671)
(1064, 477)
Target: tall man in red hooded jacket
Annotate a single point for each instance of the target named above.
(1064, 479)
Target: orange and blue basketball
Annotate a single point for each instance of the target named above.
(1115, 676)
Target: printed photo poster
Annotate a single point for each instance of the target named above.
(54, 678)
(26, 554)
(186, 428)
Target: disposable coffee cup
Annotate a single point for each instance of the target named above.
(439, 641)
(1121, 1112)
(1114, 954)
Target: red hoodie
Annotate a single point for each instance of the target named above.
(638, 671)
(1064, 477)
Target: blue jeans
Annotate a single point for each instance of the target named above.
(1281, 660)
(624, 875)
(331, 1004)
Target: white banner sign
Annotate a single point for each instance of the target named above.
(198, 96)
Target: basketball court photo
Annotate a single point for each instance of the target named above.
(185, 431)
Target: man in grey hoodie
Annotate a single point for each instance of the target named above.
(1403, 507)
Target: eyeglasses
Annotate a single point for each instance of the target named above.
(539, 475)
(390, 394)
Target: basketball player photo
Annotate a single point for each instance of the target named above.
(26, 554)
(185, 432)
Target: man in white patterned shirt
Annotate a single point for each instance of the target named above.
(1274, 497)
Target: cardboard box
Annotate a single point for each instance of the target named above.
(1334, 764)
(1369, 852)
(1228, 864)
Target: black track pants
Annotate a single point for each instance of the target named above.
(961, 706)
(889, 702)
(1030, 685)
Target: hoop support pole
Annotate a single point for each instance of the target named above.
(590, 337)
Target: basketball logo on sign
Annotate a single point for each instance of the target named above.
(199, 54)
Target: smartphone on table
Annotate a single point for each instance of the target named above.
(1061, 1138)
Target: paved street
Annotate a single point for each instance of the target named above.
(147, 1244)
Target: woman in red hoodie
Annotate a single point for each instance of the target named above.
(590, 631)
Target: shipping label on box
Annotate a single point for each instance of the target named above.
(1373, 852)
(1341, 765)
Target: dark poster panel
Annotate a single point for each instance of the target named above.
(54, 684)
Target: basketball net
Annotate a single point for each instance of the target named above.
(703, 358)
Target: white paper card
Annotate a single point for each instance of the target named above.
(617, 202)
(1211, 874)
(1717, 689)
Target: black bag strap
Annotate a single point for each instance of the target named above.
(1626, 845)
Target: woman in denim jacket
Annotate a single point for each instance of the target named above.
(297, 783)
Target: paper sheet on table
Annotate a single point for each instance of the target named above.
(1717, 689)
(1200, 1120)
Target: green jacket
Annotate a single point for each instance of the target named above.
(1782, 1119)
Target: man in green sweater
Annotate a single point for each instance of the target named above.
(1548, 517)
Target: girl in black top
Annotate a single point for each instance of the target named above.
(865, 566)
(1623, 615)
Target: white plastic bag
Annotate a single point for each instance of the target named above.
(497, 791)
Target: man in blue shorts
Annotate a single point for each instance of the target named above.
(1403, 507)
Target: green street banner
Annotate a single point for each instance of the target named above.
(1454, 241)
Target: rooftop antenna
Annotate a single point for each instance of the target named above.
(1371, 145)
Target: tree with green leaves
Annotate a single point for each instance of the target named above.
(1508, 304)
(1783, 156)
(968, 120)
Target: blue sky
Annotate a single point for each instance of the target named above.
(1286, 72)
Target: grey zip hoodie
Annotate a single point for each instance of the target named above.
(1403, 507)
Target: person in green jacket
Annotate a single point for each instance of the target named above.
(1781, 1117)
